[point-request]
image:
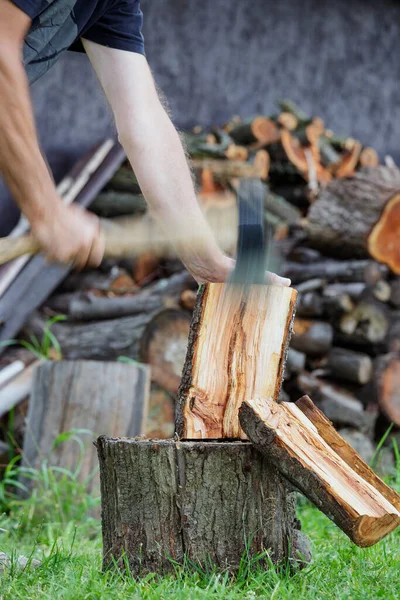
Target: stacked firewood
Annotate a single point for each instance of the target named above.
(332, 210)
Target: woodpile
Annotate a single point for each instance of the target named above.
(333, 213)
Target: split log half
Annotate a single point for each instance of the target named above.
(206, 502)
(291, 441)
(237, 348)
(347, 210)
(109, 398)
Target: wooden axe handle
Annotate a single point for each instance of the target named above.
(127, 237)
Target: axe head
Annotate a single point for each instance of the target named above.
(251, 259)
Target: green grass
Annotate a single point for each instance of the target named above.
(53, 526)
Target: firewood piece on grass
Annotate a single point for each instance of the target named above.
(367, 322)
(369, 157)
(237, 348)
(345, 450)
(100, 396)
(284, 434)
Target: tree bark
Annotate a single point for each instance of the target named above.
(292, 443)
(164, 501)
(237, 348)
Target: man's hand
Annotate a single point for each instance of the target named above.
(70, 234)
(219, 268)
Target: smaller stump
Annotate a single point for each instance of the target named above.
(207, 501)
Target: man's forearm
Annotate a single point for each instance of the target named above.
(21, 161)
(155, 151)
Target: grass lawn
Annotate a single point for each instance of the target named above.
(53, 526)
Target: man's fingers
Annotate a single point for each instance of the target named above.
(274, 279)
(97, 251)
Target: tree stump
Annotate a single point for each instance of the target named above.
(206, 501)
(96, 397)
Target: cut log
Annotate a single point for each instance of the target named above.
(296, 361)
(237, 347)
(367, 323)
(369, 157)
(109, 339)
(395, 292)
(93, 308)
(347, 165)
(388, 383)
(111, 398)
(228, 169)
(258, 130)
(291, 441)
(288, 120)
(188, 299)
(330, 270)
(337, 403)
(117, 204)
(163, 346)
(383, 241)
(206, 502)
(314, 338)
(347, 210)
(348, 365)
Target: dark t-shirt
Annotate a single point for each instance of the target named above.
(58, 24)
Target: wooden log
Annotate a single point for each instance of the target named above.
(111, 338)
(309, 304)
(395, 292)
(383, 240)
(355, 367)
(288, 120)
(367, 323)
(237, 347)
(228, 169)
(388, 385)
(369, 157)
(258, 130)
(314, 338)
(296, 361)
(101, 397)
(353, 271)
(337, 403)
(292, 443)
(199, 501)
(188, 299)
(281, 208)
(117, 204)
(163, 346)
(349, 219)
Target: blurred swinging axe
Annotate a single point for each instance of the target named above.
(130, 237)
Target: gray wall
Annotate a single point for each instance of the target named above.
(214, 58)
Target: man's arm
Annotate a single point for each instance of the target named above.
(155, 151)
(66, 233)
